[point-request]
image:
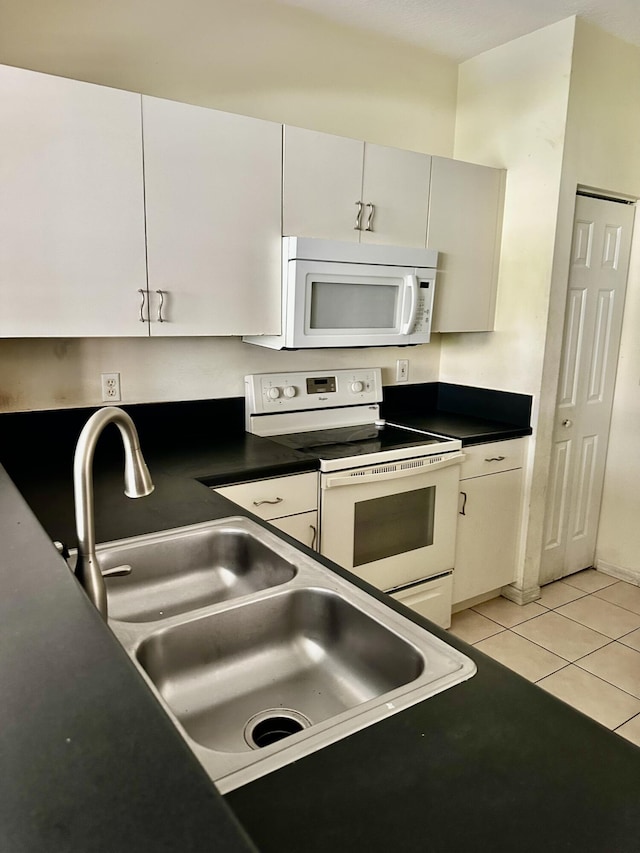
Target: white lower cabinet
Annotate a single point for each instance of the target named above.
(303, 527)
(289, 503)
(489, 519)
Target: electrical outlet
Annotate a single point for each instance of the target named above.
(402, 369)
(110, 387)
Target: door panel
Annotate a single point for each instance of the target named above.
(595, 304)
(72, 242)
(557, 493)
(397, 183)
(213, 184)
(322, 185)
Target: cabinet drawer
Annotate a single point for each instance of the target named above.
(491, 458)
(275, 497)
(431, 599)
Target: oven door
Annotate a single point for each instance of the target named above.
(394, 523)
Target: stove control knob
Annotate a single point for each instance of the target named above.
(290, 391)
(357, 387)
(273, 393)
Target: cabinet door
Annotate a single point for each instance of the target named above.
(396, 183)
(322, 185)
(213, 196)
(72, 253)
(303, 527)
(487, 535)
(465, 227)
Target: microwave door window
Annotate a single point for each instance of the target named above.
(348, 306)
(394, 524)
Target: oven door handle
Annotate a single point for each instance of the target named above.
(330, 481)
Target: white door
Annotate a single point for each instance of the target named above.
(213, 203)
(593, 319)
(72, 250)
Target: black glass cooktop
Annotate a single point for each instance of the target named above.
(342, 442)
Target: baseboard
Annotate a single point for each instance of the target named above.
(520, 596)
(628, 575)
(478, 599)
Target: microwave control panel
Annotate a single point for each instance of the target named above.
(271, 393)
(425, 305)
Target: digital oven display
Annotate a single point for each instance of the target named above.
(321, 385)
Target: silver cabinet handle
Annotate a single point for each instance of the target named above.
(463, 511)
(313, 538)
(372, 210)
(357, 226)
(143, 296)
(276, 501)
(160, 307)
(567, 422)
(495, 459)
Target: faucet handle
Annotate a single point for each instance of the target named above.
(116, 571)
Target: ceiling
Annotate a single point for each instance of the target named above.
(461, 29)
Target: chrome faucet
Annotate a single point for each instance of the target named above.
(137, 484)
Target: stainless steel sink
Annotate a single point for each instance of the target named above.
(280, 670)
(178, 571)
(307, 650)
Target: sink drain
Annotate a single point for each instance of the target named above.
(273, 725)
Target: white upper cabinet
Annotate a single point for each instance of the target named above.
(395, 193)
(343, 189)
(72, 253)
(465, 226)
(213, 200)
(322, 185)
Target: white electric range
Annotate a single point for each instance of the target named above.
(388, 494)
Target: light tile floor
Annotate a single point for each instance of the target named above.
(580, 641)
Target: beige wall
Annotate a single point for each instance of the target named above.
(49, 373)
(512, 112)
(603, 151)
(247, 56)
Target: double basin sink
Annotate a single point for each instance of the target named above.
(259, 653)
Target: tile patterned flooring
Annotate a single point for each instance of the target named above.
(580, 641)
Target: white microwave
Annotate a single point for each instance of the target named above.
(353, 295)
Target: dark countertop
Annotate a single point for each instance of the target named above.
(469, 430)
(92, 763)
(474, 415)
(89, 760)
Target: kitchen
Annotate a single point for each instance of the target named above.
(48, 374)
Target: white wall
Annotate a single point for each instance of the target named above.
(248, 56)
(50, 373)
(512, 112)
(603, 151)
